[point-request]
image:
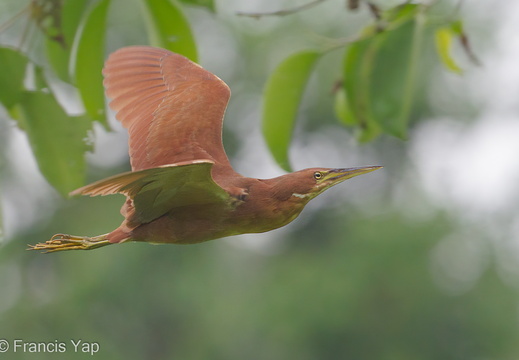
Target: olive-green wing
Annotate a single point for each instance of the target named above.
(158, 190)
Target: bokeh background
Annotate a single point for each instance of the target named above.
(419, 260)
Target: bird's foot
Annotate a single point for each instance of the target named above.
(61, 242)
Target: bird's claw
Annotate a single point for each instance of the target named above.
(62, 242)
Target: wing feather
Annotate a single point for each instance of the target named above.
(156, 191)
(172, 107)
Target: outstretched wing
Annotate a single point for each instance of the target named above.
(172, 107)
(156, 191)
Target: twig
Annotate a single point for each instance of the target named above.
(375, 11)
(464, 40)
(15, 17)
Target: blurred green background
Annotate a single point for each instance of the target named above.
(415, 261)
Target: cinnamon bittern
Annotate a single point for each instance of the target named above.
(182, 188)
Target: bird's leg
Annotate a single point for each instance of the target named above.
(61, 242)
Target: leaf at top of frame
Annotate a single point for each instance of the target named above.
(89, 60)
(12, 76)
(282, 97)
(168, 28)
(58, 54)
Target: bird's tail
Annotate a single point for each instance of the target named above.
(61, 242)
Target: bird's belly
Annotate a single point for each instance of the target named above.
(185, 226)
(190, 225)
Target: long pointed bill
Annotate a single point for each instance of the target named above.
(339, 175)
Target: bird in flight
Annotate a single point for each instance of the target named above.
(182, 188)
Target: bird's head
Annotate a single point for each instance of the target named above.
(308, 183)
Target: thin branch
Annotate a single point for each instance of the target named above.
(26, 32)
(281, 12)
(464, 40)
(15, 17)
(375, 11)
(468, 50)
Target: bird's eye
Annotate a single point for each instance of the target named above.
(318, 175)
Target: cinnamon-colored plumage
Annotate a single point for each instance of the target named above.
(182, 188)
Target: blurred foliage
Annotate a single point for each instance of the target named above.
(90, 58)
(74, 33)
(351, 293)
(379, 76)
(49, 139)
(169, 28)
(357, 281)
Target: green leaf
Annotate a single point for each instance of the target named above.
(2, 234)
(342, 108)
(282, 96)
(89, 59)
(12, 76)
(457, 27)
(208, 4)
(415, 61)
(443, 38)
(58, 54)
(57, 140)
(39, 82)
(168, 27)
(357, 72)
(400, 14)
(380, 75)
